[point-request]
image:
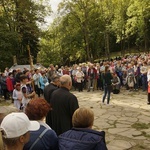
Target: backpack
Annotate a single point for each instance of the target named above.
(116, 91)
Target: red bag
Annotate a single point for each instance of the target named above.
(148, 87)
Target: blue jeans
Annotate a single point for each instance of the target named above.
(107, 91)
(144, 82)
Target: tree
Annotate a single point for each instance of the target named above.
(20, 20)
(119, 22)
(87, 30)
(138, 23)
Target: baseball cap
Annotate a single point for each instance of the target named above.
(17, 124)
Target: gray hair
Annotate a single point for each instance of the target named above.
(54, 77)
(65, 79)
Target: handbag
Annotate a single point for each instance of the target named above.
(47, 83)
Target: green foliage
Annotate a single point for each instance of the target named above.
(19, 22)
(85, 30)
(138, 22)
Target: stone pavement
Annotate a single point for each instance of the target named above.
(126, 120)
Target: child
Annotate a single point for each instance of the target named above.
(148, 100)
(26, 94)
(17, 96)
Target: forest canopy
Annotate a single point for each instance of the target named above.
(84, 30)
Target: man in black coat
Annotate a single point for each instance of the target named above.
(63, 104)
(48, 90)
(52, 86)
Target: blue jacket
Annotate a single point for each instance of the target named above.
(49, 141)
(42, 81)
(82, 139)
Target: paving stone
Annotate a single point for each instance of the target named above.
(7, 109)
(124, 110)
(135, 114)
(139, 138)
(110, 147)
(146, 130)
(102, 124)
(123, 118)
(147, 118)
(112, 122)
(100, 112)
(132, 143)
(137, 133)
(116, 119)
(109, 138)
(147, 142)
(132, 119)
(146, 113)
(117, 112)
(129, 114)
(135, 105)
(112, 118)
(121, 144)
(106, 116)
(127, 133)
(146, 107)
(122, 125)
(117, 130)
(143, 120)
(124, 122)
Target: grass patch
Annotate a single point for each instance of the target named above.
(142, 147)
(145, 134)
(138, 147)
(140, 126)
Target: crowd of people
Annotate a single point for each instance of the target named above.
(131, 72)
(66, 127)
(44, 97)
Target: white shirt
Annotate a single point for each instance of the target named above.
(79, 76)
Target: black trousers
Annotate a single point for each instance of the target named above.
(37, 90)
(49, 119)
(148, 98)
(5, 93)
(80, 86)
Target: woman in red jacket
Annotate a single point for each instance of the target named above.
(9, 83)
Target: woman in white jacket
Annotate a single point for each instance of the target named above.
(79, 79)
(148, 74)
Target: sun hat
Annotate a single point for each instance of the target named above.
(16, 124)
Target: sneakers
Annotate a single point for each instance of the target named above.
(102, 103)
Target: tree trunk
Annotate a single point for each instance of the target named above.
(6, 13)
(145, 42)
(86, 33)
(87, 49)
(86, 39)
(107, 47)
